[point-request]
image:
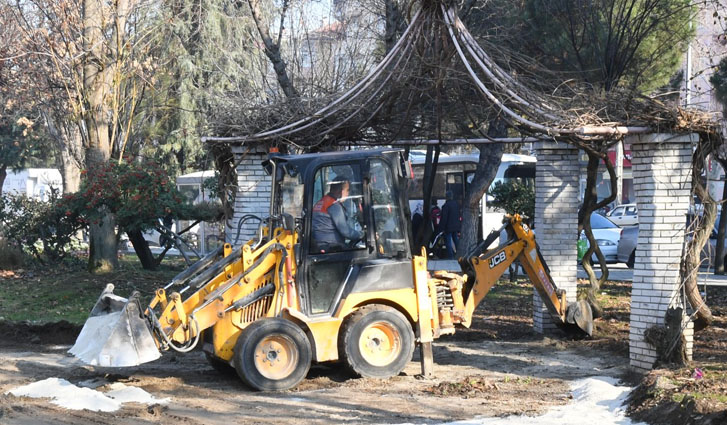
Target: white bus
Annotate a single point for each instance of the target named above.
(455, 172)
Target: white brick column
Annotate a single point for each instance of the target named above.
(661, 166)
(253, 192)
(556, 221)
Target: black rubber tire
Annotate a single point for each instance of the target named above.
(251, 354)
(631, 260)
(374, 322)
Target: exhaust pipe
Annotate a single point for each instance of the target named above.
(116, 334)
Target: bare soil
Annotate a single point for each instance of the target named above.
(499, 367)
(692, 395)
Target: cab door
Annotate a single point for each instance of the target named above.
(326, 267)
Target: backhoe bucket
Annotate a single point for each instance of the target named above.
(116, 334)
(580, 316)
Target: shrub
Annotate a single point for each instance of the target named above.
(515, 197)
(43, 229)
(10, 256)
(138, 194)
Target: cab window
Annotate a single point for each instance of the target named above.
(337, 218)
(388, 228)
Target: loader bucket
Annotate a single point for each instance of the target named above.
(116, 334)
(580, 316)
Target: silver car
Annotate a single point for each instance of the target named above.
(627, 245)
(630, 236)
(607, 237)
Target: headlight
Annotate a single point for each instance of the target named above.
(604, 242)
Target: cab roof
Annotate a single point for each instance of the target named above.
(300, 163)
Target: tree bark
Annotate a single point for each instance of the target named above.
(141, 247)
(591, 204)
(394, 24)
(430, 171)
(692, 257)
(272, 51)
(3, 175)
(70, 165)
(487, 165)
(722, 229)
(96, 81)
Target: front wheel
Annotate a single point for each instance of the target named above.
(272, 354)
(377, 341)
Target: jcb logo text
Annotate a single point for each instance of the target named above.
(497, 259)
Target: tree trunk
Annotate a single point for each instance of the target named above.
(487, 165)
(102, 245)
(722, 230)
(69, 148)
(70, 164)
(96, 83)
(141, 247)
(430, 171)
(3, 175)
(591, 204)
(394, 24)
(692, 256)
(272, 50)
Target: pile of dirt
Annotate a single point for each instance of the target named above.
(17, 334)
(681, 397)
(696, 394)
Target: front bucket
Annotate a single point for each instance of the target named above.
(116, 334)
(580, 315)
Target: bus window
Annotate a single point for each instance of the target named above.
(455, 185)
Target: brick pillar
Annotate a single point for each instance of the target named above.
(253, 193)
(556, 221)
(661, 165)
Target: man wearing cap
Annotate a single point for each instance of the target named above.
(330, 226)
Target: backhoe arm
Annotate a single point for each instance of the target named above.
(485, 267)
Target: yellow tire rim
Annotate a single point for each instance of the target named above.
(276, 357)
(380, 343)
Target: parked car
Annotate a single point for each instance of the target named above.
(607, 236)
(624, 215)
(630, 237)
(627, 245)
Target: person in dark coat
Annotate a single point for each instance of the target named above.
(451, 223)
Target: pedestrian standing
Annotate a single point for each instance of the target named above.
(451, 223)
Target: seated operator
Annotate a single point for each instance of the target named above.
(330, 226)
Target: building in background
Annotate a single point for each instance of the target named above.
(33, 182)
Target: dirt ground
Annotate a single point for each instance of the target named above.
(499, 367)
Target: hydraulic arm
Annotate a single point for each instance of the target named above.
(484, 267)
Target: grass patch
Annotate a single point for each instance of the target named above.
(509, 292)
(679, 397)
(44, 294)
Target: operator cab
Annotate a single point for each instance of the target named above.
(368, 252)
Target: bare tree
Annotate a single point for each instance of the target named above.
(87, 59)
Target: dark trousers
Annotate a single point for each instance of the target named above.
(451, 240)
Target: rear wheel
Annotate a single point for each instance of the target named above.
(377, 341)
(272, 354)
(631, 260)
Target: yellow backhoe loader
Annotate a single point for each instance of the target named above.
(293, 295)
